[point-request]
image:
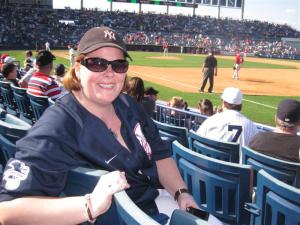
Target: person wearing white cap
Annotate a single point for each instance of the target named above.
(230, 125)
(8, 60)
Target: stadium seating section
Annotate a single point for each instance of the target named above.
(32, 27)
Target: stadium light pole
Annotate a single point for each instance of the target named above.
(81, 4)
(140, 7)
(194, 7)
(219, 9)
(243, 6)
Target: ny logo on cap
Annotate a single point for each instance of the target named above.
(109, 34)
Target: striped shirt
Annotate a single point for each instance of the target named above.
(41, 84)
(229, 125)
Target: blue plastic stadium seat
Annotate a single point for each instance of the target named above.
(51, 101)
(23, 103)
(82, 181)
(11, 127)
(277, 203)
(8, 98)
(129, 213)
(7, 150)
(173, 132)
(220, 188)
(226, 151)
(288, 172)
(38, 104)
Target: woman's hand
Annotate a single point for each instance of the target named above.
(108, 185)
(185, 200)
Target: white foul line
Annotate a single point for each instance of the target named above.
(187, 85)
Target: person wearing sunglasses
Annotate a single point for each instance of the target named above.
(96, 126)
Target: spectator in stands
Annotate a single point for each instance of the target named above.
(95, 126)
(135, 88)
(229, 125)
(41, 83)
(148, 102)
(283, 142)
(29, 60)
(23, 83)
(176, 102)
(9, 72)
(206, 107)
(151, 93)
(59, 73)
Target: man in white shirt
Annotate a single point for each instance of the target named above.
(229, 125)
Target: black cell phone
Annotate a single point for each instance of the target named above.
(198, 212)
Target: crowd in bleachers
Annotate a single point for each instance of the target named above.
(36, 26)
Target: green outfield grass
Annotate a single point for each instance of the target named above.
(187, 60)
(261, 111)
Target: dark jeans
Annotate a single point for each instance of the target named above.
(208, 74)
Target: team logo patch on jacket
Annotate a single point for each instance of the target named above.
(140, 136)
(16, 172)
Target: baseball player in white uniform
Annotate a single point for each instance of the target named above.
(71, 55)
(47, 46)
(229, 125)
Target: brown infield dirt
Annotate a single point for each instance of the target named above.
(277, 82)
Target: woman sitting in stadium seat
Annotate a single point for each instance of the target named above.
(93, 126)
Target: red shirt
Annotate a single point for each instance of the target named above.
(43, 85)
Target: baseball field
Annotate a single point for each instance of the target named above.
(264, 82)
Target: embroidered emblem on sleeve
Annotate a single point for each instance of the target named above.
(16, 172)
(140, 136)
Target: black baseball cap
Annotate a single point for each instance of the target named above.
(44, 58)
(150, 91)
(60, 69)
(99, 37)
(289, 111)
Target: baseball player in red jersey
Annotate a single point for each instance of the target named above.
(166, 48)
(237, 65)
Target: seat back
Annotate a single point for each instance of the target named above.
(12, 127)
(8, 98)
(173, 132)
(38, 104)
(288, 172)
(278, 203)
(226, 151)
(23, 103)
(220, 188)
(82, 181)
(8, 150)
(51, 101)
(129, 213)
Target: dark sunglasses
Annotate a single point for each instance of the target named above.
(100, 65)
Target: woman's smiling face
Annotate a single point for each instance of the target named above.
(102, 87)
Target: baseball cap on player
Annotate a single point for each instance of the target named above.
(232, 95)
(99, 37)
(289, 111)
